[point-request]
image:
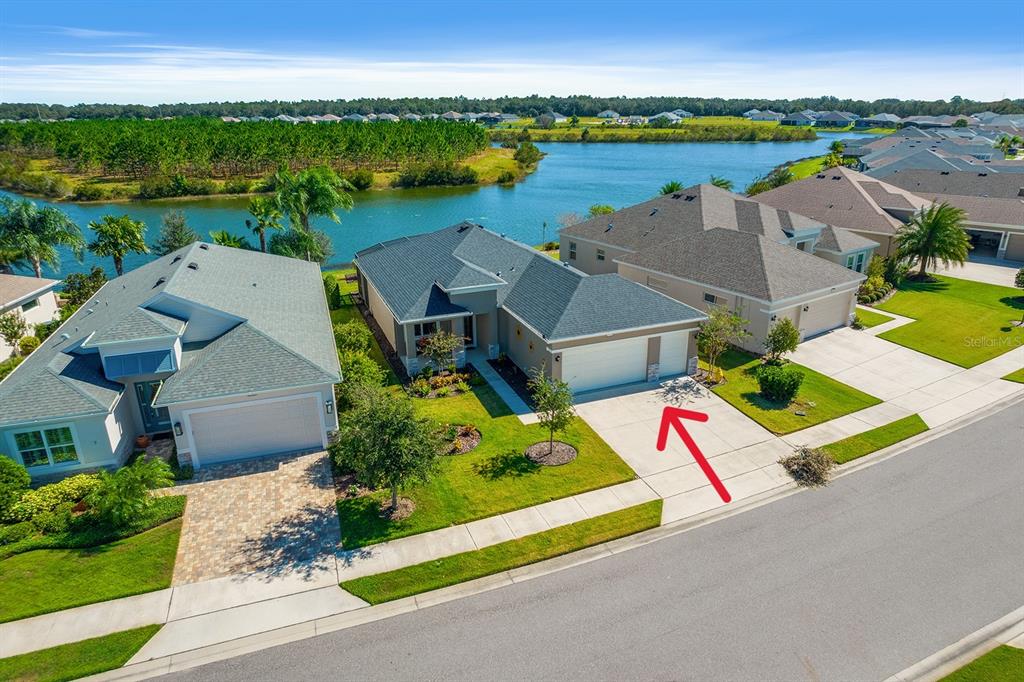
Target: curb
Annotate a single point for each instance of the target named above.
(217, 652)
(958, 654)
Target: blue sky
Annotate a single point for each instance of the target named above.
(189, 51)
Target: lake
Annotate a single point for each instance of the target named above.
(572, 177)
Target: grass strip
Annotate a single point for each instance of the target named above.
(851, 448)
(1002, 664)
(78, 659)
(1017, 376)
(432, 575)
(869, 318)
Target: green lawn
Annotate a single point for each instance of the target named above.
(962, 322)
(869, 318)
(79, 659)
(851, 448)
(1002, 664)
(1017, 376)
(459, 568)
(348, 311)
(47, 580)
(494, 478)
(807, 167)
(820, 397)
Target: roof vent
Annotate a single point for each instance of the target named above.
(193, 266)
(676, 196)
(943, 172)
(690, 197)
(609, 228)
(160, 281)
(463, 227)
(204, 247)
(982, 175)
(175, 259)
(820, 176)
(65, 336)
(653, 211)
(836, 177)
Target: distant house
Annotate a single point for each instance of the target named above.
(387, 117)
(666, 117)
(451, 116)
(633, 120)
(470, 116)
(230, 119)
(834, 119)
(797, 119)
(878, 121)
(608, 113)
(286, 118)
(751, 112)
(30, 297)
(490, 118)
(330, 118)
(410, 117)
(682, 113)
(354, 117)
(557, 117)
(767, 116)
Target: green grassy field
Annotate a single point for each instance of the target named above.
(956, 320)
(851, 448)
(1017, 376)
(820, 397)
(47, 580)
(494, 478)
(1002, 664)
(78, 659)
(459, 568)
(870, 318)
(806, 167)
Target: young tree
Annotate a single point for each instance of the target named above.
(265, 217)
(600, 209)
(553, 403)
(116, 237)
(722, 183)
(79, 288)
(440, 348)
(34, 233)
(225, 238)
(782, 338)
(722, 328)
(384, 442)
(174, 233)
(527, 154)
(934, 234)
(671, 187)
(12, 328)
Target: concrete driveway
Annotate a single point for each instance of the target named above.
(988, 270)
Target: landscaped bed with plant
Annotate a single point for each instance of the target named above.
(493, 478)
(78, 659)
(956, 320)
(851, 448)
(85, 539)
(459, 568)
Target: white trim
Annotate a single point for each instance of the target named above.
(775, 309)
(32, 296)
(169, 335)
(247, 394)
(187, 425)
(471, 289)
(668, 326)
(594, 241)
(435, 318)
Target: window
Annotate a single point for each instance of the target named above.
(658, 284)
(600, 254)
(710, 298)
(849, 262)
(425, 329)
(856, 262)
(572, 250)
(34, 303)
(802, 246)
(46, 447)
(860, 262)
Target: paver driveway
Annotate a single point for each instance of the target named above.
(272, 516)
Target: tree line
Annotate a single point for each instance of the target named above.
(207, 147)
(532, 105)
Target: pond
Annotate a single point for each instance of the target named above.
(571, 178)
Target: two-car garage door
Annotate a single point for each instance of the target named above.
(610, 363)
(257, 428)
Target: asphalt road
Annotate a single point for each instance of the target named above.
(853, 582)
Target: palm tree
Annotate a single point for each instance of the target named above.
(225, 238)
(35, 233)
(117, 236)
(267, 217)
(723, 183)
(934, 234)
(309, 193)
(9, 259)
(836, 147)
(671, 187)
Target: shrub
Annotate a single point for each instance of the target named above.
(420, 387)
(54, 521)
(160, 187)
(237, 186)
(857, 322)
(782, 338)
(462, 387)
(779, 384)
(27, 344)
(361, 179)
(437, 173)
(477, 380)
(549, 246)
(896, 270)
(506, 178)
(14, 481)
(8, 365)
(43, 329)
(89, 192)
(16, 532)
(353, 336)
(527, 154)
(120, 497)
(809, 466)
(333, 291)
(48, 497)
(444, 392)
(357, 369)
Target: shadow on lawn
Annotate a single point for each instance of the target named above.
(509, 463)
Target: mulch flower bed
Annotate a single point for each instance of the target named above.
(514, 377)
(541, 453)
(405, 508)
(446, 383)
(464, 439)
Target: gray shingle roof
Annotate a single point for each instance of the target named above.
(280, 298)
(137, 324)
(842, 241)
(973, 183)
(748, 264)
(558, 301)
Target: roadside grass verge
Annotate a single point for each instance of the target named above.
(1002, 664)
(495, 477)
(432, 575)
(956, 320)
(1017, 376)
(851, 448)
(869, 318)
(78, 659)
(820, 398)
(47, 580)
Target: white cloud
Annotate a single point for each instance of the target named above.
(155, 73)
(91, 33)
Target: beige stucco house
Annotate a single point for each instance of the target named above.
(706, 246)
(31, 297)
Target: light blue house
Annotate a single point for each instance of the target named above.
(228, 352)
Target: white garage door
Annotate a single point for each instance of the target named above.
(260, 428)
(825, 314)
(605, 364)
(672, 359)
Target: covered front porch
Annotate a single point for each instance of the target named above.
(478, 331)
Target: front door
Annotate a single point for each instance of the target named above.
(469, 331)
(154, 419)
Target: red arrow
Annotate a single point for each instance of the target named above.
(673, 416)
